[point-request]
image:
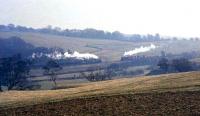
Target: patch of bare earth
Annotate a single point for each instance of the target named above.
(167, 103)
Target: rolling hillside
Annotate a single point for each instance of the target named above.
(139, 95)
(107, 50)
(102, 48)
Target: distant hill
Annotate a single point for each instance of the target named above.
(107, 50)
(86, 33)
(38, 55)
(14, 45)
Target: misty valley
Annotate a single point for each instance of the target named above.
(99, 58)
(99, 62)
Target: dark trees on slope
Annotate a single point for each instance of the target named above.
(163, 64)
(178, 65)
(14, 72)
(182, 65)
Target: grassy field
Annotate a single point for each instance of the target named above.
(169, 93)
(189, 81)
(72, 75)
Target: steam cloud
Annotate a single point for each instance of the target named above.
(58, 55)
(140, 50)
(78, 55)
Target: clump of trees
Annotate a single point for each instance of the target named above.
(96, 76)
(51, 68)
(182, 65)
(14, 72)
(175, 65)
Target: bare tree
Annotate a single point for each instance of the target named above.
(50, 69)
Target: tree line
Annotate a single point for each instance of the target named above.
(173, 66)
(85, 33)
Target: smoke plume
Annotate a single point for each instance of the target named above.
(140, 50)
(58, 55)
(81, 56)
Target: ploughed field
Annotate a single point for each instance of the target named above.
(167, 103)
(170, 94)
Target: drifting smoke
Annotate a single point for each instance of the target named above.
(78, 55)
(54, 55)
(58, 55)
(140, 50)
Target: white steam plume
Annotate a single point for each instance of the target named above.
(58, 55)
(78, 55)
(140, 50)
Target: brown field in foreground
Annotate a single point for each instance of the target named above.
(185, 103)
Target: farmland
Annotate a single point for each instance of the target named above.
(99, 58)
(110, 51)
(107, 50)
(158, 91)
(138, 95)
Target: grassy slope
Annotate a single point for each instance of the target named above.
(171, 82)
(108, 50)
(103, 48)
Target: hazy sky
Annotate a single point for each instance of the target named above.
(167, 17)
